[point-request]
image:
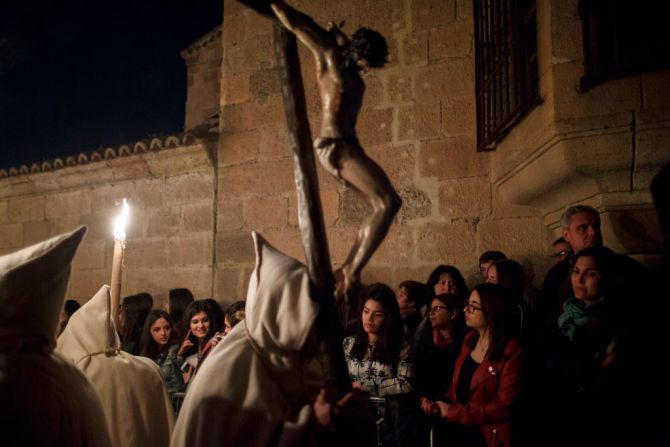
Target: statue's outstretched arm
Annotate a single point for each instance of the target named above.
(317, 39)
(341, 38)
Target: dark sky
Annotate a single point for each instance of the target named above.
(79, 75)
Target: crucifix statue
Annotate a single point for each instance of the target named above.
(340, 60)
(291, 340)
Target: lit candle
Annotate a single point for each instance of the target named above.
(117, 260)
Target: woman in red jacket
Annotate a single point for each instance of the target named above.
(487, 375)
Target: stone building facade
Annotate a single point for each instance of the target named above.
(196, 198)
(170, 186)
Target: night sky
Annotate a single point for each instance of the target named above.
(79, 75)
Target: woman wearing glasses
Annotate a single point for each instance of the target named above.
(487, 375)
(444, 279)
(437, 349)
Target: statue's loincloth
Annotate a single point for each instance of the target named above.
(332, 151)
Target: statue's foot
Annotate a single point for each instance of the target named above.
(347, 286)
(339, 286)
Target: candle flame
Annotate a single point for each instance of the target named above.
(120, 222)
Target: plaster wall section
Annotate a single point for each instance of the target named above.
(170, 232)
(417, 122)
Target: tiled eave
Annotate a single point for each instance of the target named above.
(152, 145)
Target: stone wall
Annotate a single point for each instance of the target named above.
(203, 66)
(418, 123)
(195, 203)
(601, 147)
(170, 188)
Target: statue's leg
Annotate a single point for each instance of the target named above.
(364, 175)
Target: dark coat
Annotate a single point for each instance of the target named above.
(631, 280)
(494, 389)
(570, 372)
(434, 367)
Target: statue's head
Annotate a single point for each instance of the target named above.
(369, 47)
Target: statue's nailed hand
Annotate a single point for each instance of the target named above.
(331, 26)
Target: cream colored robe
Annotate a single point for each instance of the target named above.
(44, 400)
(135, 401)
(255, 387)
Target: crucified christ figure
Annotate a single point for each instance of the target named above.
(339, 62)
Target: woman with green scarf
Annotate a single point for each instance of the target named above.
(584, 332)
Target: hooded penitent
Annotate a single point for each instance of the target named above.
(135, 401)
(256, 385)
(44, 400)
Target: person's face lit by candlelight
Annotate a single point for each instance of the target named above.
(200, 325)
(161, 331)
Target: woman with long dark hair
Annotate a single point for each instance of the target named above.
(198, 326)
(487, 376)
(438, 346)
(178, 301)
(378, 356)
(132, 313)
(379, 359)
(217, 313)
(447, 279)
(436, 349)
(580, 347)
(158, 344)
(225, 317)
(443, 280)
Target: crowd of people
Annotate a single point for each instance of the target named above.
(178, 337)
(501, 363)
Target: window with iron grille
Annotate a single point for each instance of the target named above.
(623, 38)
(505, 66)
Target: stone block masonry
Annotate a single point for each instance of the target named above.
(418, 123)
(195, 201)
(171, 228)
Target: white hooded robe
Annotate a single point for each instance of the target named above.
(137, 408)
(44, 400)
(255, 388)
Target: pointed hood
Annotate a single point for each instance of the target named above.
(260, 379)
(33, 282)
(279, 310)
(90, 330)
(47, 400)
(134, 398)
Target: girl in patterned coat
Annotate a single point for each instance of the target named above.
(380, 361)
